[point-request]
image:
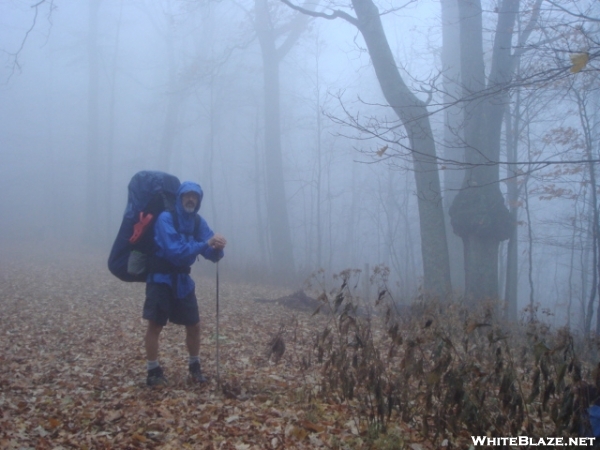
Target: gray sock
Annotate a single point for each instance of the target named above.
(194, 359)
(152, 365)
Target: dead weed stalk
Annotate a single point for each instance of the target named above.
(447, 372)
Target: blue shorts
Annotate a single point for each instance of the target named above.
(161, 306)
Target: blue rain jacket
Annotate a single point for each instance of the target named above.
(594, 414)
(180, 247)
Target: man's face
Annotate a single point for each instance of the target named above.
(189, 201)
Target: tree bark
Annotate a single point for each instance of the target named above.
(277, 212)
(478, 214)
(415, 118)
(453, 135)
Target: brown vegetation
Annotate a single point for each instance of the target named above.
(448, 373)
(72, 369)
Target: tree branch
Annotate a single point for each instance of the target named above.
(524, 37)
(571, 13)
(15, 55)
(334, 15)
(297, 27)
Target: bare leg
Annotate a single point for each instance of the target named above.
(192, 339)
(151, 340)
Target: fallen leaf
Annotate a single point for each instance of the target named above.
(242, 446)
(312, 426)
(113, 416)
(138, 437)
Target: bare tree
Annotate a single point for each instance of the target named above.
(478, 213)
(272, 55)
(414, 116)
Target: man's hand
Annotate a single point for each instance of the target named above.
(218, 241)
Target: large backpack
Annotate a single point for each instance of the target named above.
(149, 194)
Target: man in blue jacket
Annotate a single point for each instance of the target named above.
(180, 237)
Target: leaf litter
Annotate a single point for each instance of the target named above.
(72, 369)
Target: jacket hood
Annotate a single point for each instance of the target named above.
(188, 186)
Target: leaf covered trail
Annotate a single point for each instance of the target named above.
(72, 367)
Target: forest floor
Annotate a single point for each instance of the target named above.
(72, 368)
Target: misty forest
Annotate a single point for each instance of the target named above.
(407, 188)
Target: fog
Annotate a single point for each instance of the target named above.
(177, 86)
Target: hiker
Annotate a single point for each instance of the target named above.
(179, 237)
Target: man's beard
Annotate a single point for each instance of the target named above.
(189, 209)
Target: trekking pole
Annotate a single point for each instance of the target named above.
(218, 377)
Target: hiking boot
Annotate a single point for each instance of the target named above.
(196, 374)
(156, 377)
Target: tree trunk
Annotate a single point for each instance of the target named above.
(174, 101)
(110, 147)
(513, 127)
(453, 135)
(414, 116)
(480, 255)
(512, 259)
(94, 166)
(595, 215)
(353, 218)
(277, 212)
(262, 245)
(478, 214)
(532, 307)
(319, 146)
